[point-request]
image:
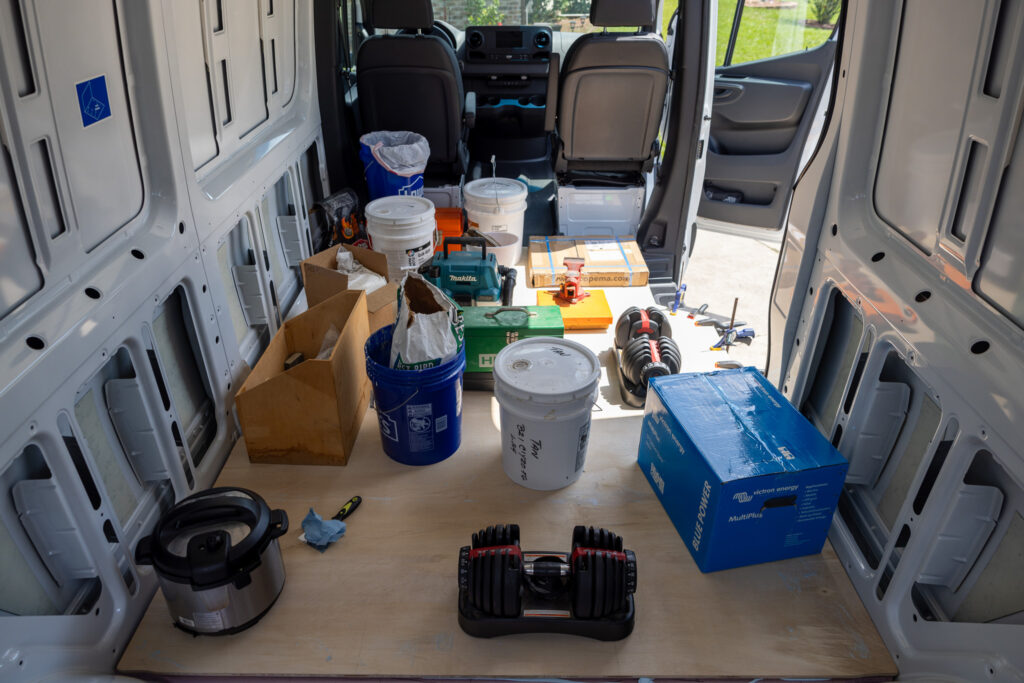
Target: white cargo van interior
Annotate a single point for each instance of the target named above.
(160, 160)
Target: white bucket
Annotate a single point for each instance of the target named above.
(507, 250)
(496, 205)
(402, 228)
(545, 388)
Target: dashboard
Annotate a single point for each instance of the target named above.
(514, 72)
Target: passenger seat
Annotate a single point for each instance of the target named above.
(612, 92)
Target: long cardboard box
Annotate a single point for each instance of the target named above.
(322, 280)
(609, 261)
(310, 414)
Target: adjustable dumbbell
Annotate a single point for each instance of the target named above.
(603, 574)
(490, 571)
(646, 357)
(636, 321)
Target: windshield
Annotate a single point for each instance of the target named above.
(560, 15)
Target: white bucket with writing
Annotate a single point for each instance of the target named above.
(402, 228)
(496, 205)
(545, 388)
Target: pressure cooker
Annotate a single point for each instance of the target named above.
(217, 559)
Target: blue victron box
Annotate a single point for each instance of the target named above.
(744, 477)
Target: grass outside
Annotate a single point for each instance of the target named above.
(763, 33)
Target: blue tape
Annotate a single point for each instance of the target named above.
(625, 259)
(551, 261)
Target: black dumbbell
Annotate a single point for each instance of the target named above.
(645, 357)
(490, 572)
(603, 573)
(636, 321)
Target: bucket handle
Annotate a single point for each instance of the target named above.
(467, 241)
(400, 405)
(510, 309)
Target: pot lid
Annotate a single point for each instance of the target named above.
(212, 538)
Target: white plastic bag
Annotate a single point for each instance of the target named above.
(400, 152)
(359, 276)
(429, 329)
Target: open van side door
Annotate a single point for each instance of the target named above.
(772, 78)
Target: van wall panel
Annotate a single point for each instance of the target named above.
(196, 107)
(97, 146)
(279, 49)
(20, 277)
(922, 132)
(1000, 280)
(244, 67)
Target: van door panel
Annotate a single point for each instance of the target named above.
(762, 115)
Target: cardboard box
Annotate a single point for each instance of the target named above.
(322, 280)
(310, 414)
(489, 329)
(744, 477)
(609, 261)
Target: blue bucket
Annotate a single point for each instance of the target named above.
(388, 175)
(419, 411)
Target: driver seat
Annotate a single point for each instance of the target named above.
(411, 81)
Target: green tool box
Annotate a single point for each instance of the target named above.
(489, 329)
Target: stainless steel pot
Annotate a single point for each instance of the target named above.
(217, 559)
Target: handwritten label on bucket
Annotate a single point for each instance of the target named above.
(525, 449)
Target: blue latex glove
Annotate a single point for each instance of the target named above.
(321, 532)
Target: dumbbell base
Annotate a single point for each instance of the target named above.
(481, 625)
(634, 395)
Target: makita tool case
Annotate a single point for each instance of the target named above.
(744, 477)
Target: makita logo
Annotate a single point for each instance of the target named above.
(785, 453)
(742, 497)
(659, 482)
(462, 278)
(702, 512)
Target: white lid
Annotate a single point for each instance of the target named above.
(547, 370)
(403, 210)
(498, 191)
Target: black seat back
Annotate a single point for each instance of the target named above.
(412, 81)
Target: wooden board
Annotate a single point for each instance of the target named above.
(382, 601)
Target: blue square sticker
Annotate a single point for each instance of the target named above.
(92, 100)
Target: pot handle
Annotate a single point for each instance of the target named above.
(278, 523)
(144, 551)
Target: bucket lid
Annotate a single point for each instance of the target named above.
(400, 210)
(547, 370)
(500, 191)
(212, 538)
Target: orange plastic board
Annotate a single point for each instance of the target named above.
(593, 313)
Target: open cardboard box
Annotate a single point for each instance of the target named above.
(310, 414)
(322, 280)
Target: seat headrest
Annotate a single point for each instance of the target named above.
(622, 12)
(411, 14)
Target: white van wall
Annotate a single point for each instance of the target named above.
(158, 163)
(898, 327)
